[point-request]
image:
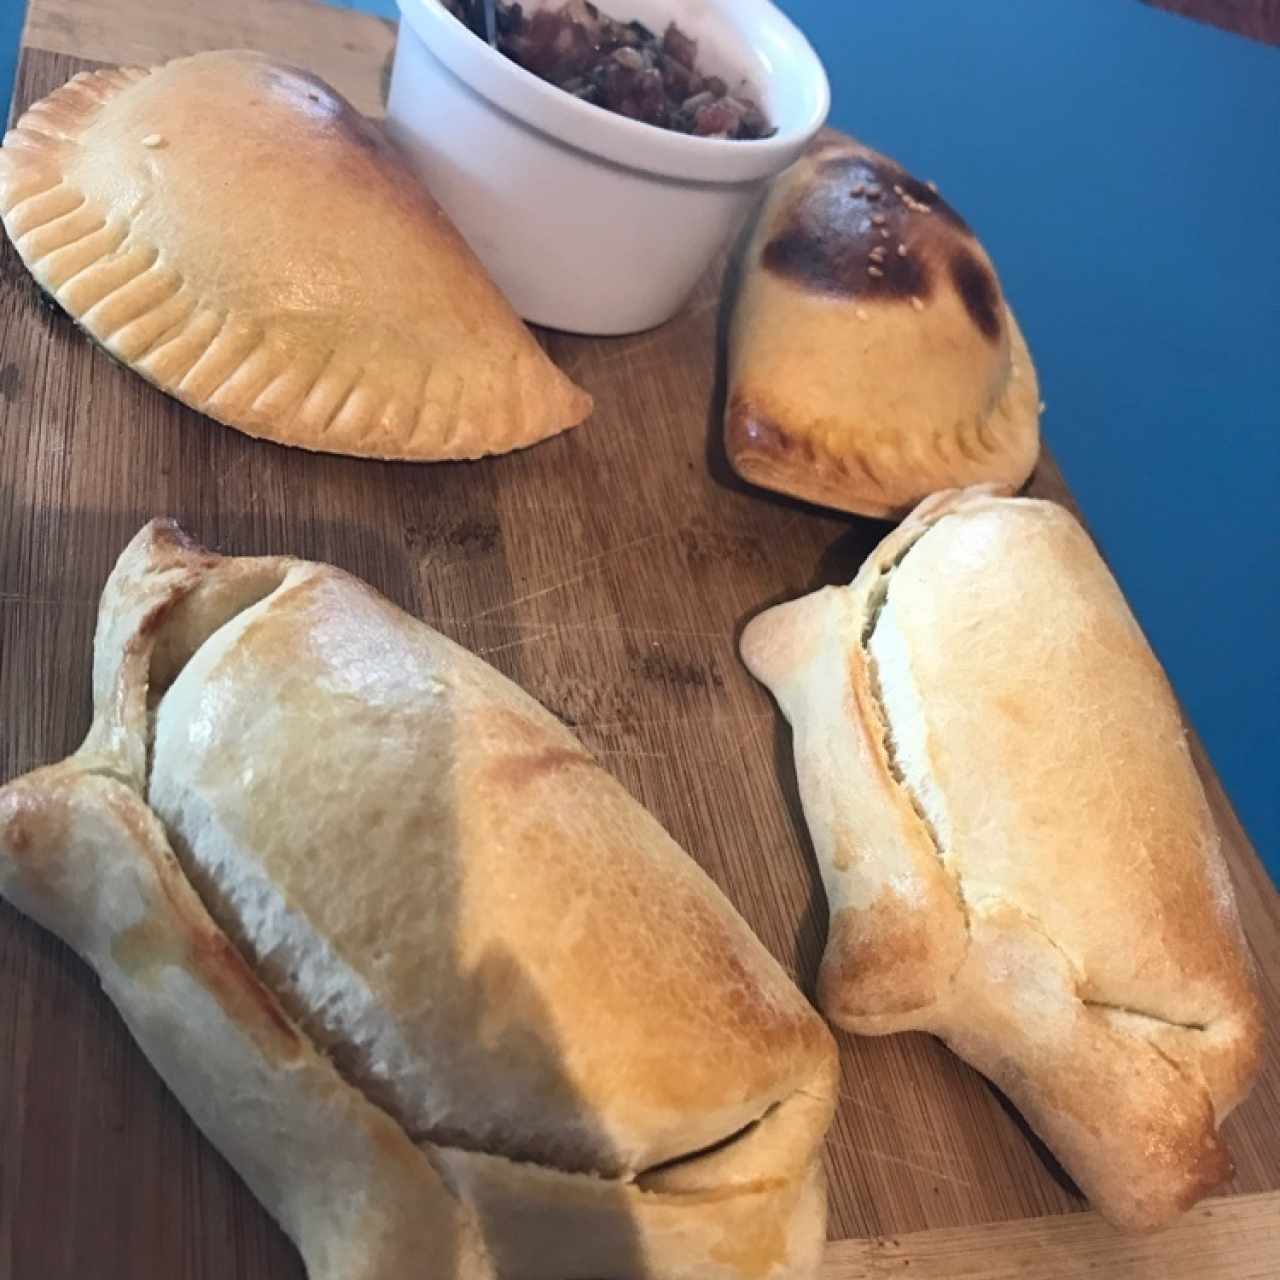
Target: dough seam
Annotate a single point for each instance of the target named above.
(876, 603)
(154, 692)
(1102, 1007)
(105, 769)
(1131, 1012)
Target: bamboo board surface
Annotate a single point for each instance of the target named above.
(609, 572)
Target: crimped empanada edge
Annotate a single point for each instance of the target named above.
(229, 367)
(997, 448)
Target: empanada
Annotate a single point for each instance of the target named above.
(448, 998)
(872, 357)
(1017, 852)
(235, 232)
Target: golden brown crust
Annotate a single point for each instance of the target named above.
(1036, 876)
(344, 314)
(873, 359)
(507, 854)
(882, 960)
(83, 856)
(413, 899)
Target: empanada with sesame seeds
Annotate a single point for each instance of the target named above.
(235, 232)
(873, 358)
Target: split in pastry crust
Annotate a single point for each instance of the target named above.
(1017, 852)
(428, 977)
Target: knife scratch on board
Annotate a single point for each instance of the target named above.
(19, 597)
(712, 721)
(860, 1150)
(900, 1121)
(515, 644)
(587, 567)
(604, 626)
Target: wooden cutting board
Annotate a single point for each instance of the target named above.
(609, 572)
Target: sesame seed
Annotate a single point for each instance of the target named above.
(874, 271)
(1043, 406)
(897, 186)
(873, 192)
(902, 250)
(878, 219)
(861, 313)
(877, 254)
(933, 186)
(153, 140)
(884, 233)
(915, 302)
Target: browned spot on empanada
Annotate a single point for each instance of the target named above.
(519, 771)
(757, 445)
(872, 358)
(34, 827)
(17, 832)
(842, 236)
(748, 430)
(228, 975)
(879, 961)
(978, 291)
(894, 179)
(144, 949)
(863, 229)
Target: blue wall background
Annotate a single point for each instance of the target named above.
(1123, 167)
(11, 13)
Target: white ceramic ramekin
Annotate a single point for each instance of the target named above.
(589, 221)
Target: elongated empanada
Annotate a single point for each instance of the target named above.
(873, 359)
(446, 996)
(239, 235)
(1017, 852)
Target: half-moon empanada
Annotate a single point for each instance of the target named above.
(430, 979)
(873, 359)
(1017, 852)
(239, 235)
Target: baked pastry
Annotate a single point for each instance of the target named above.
(1017, 852)
(872, 357)
(235, 232)
(427, 976)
